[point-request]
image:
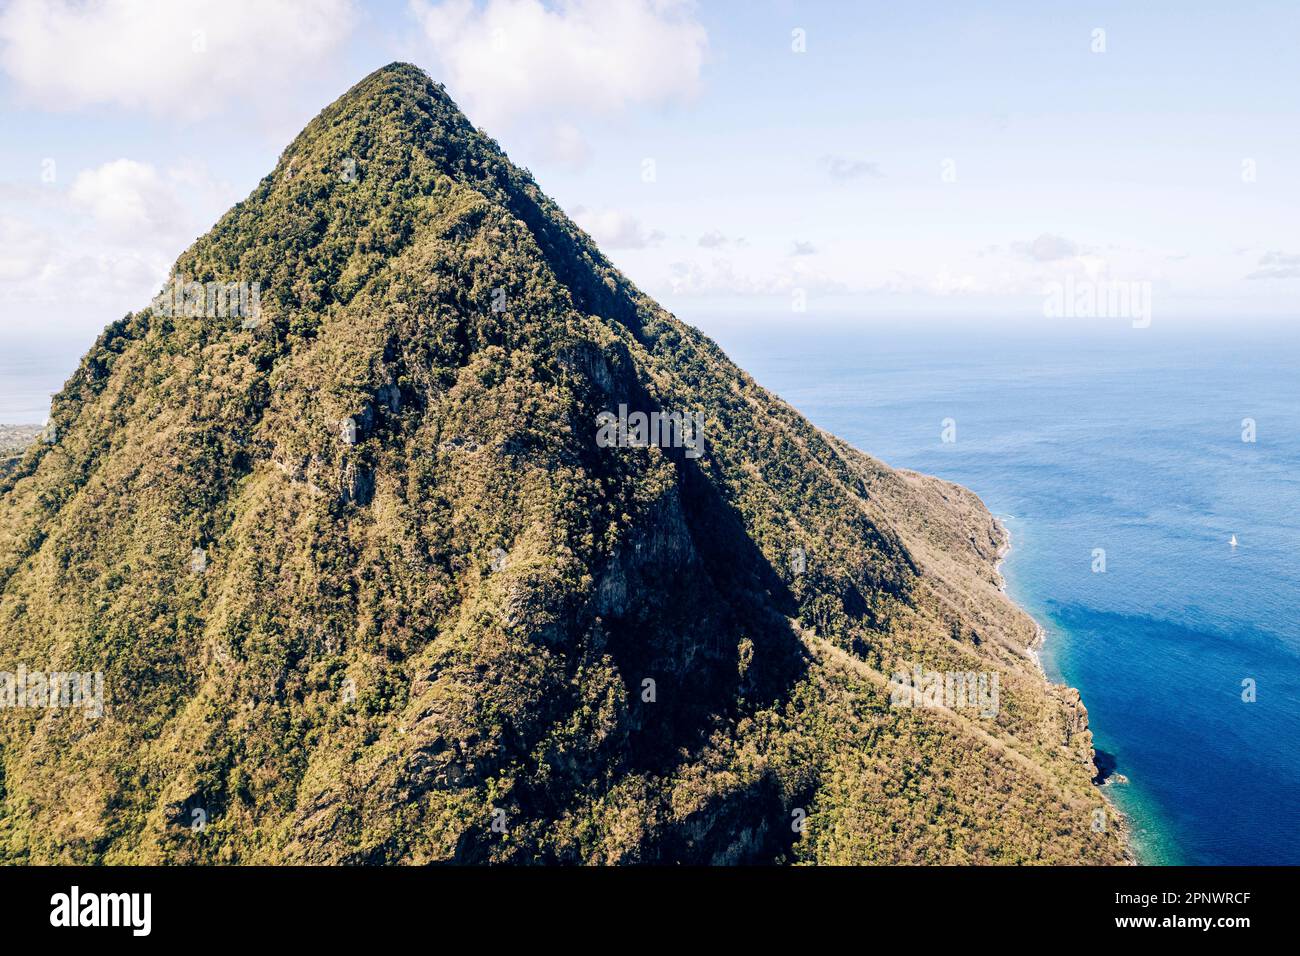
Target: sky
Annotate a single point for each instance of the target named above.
(860, 162)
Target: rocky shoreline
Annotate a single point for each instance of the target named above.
(1104, 764)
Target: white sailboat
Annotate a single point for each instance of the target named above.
(1233, 542)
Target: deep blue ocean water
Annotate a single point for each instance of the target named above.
(1127, 440)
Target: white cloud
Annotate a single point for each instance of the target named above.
(842, 168)
(174, 57)
(128, 198)
(82, 256)
(24, 249)
(521, 59)
(613, 229)
(721, 278)
(134, 203)
(1046, 248)
(36, 268)
(1277, 265)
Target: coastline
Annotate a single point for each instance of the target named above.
(1032, 651)
(1040, 635)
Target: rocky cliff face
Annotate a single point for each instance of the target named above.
(365, 587)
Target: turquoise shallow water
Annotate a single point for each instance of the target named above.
(1130, 441)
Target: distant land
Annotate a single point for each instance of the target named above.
(14, 440)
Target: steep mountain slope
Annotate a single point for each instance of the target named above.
(469, 632)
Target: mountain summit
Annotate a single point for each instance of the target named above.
(402, 528)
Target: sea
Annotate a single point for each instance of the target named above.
(31, 372)
(1124, 462)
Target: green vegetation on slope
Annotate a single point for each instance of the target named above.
(433, 644)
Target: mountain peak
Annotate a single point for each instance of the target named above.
(388, 158)
(400, 96)
(395, 571)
